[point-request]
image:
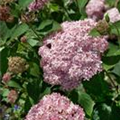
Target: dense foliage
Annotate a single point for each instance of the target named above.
(29, 69)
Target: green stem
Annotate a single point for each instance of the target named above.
(117, 32)
(112, 81)
(116, 3)
(27, 22)
(34, 30)
(66, 13)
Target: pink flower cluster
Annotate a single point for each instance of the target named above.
(6, 77)
(55, 107)
(37, 5)
(12, 96)
(70, 55)
(113, 14)
(95, 9)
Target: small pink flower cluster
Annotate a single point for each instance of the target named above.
(70, 55)
(37, 5)
(55, 107)
(12, 96)
(6, 77)
(113, 14)
(95, 9)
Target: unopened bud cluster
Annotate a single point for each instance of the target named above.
(17, 65)
(102, 27)
(5, 14)
(28, 17)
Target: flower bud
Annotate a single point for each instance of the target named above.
(12, 96)
(102, 27)
(95, 10)
(5, 14)
(23, 39)
(6, 77)
(17, 65)
(37, 5)
(28, 17)
(7, 1)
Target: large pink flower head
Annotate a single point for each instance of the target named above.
(113, 14)
(95, 9)
(70, 55)
(55, 107)
(37, 5)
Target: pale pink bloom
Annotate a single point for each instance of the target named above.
(95, 9)
(113, 14)
(55, 107)
(72, 55)
(37, 5)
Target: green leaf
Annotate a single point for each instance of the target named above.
(102, 90)
(44, 24)
(5, 32)
(53, 7)
(20, 29)
(32, 42)
(45, 92)
(86, 102)
(28, 104)
(24, 3)
(112, 60)
(34, 89)
(14, 84)
(78, 96)
(4, 60)
(113, 50)
(34, 70)
(1, 48)
(5, 92)
(110, 3)
(106, 112)
(49, 26)
(115, 28)
(94, 33)
(107, 67)
(116, 69)
(81, 5)
(56, 26)
(107, 18)
(15, 10)
(45, 89)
